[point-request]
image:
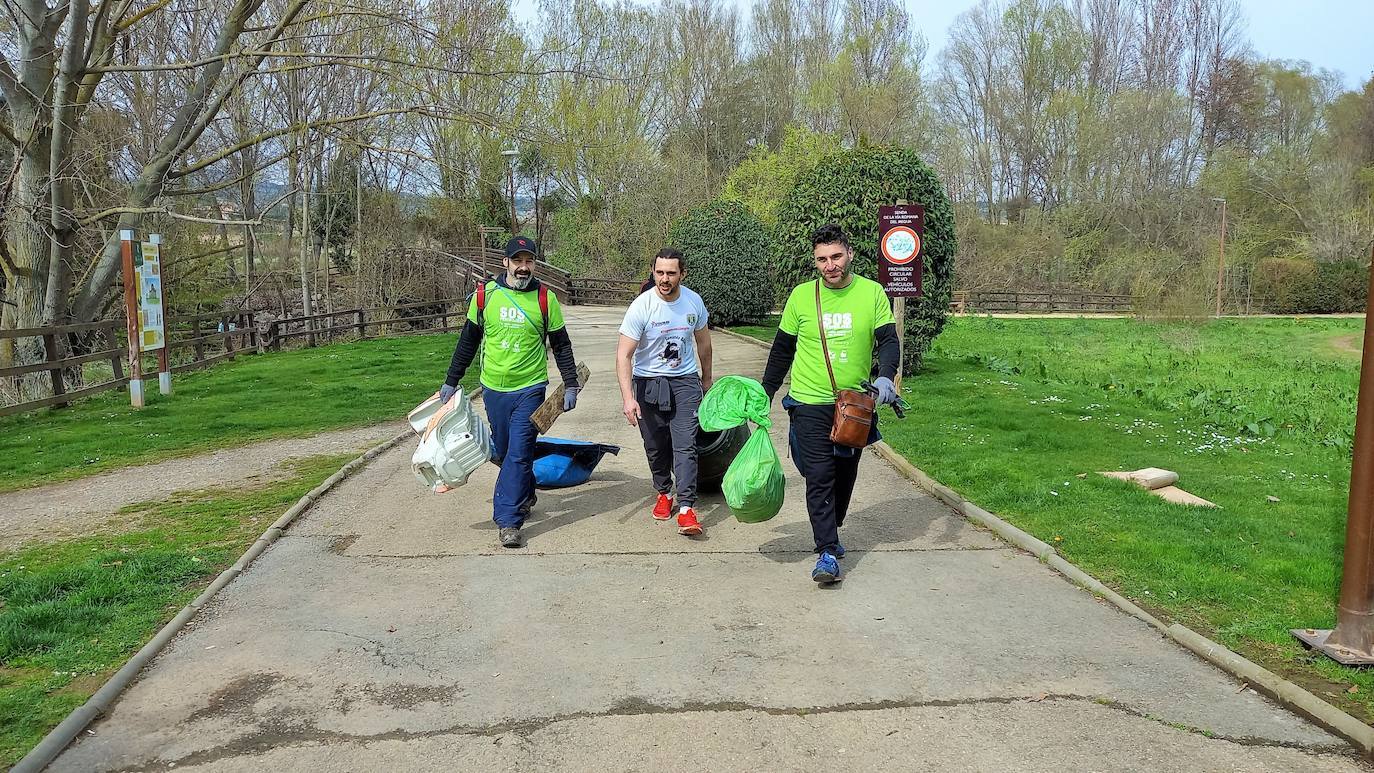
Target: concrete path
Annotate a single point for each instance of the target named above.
(387, 631)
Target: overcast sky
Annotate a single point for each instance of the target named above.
(1331, 34)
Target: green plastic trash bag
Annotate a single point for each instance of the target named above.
(732, 401)
(753, 485)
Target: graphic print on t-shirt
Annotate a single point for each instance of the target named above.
(665, 332)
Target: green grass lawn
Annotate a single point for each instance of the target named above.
(286, 394)
(73, 612)
(1018, 416)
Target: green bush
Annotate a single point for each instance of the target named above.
(1296, 286)
(846, 188)
(727, 251)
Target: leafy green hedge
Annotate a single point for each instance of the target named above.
(1291, 286)
(846, 188)
(727, 251)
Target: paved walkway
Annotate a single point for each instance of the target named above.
(386, 631)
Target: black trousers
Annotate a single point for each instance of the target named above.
(670, 436)
(829, 471)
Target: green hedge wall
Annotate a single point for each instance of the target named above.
(727, 250)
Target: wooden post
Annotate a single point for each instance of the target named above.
(197, 345)
(250, 318)
(228, 323)
(899, 311)
(126, 252)
(59, 385)
(362, 322)
(274, 335)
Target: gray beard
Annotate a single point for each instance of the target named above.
(518, 283)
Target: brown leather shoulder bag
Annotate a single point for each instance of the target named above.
(855, 411)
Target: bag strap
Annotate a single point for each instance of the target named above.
(482, 304)
(543, 301)
(544, 306)
(825, 350)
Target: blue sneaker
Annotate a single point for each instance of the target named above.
(827, 569)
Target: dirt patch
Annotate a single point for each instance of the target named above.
(1348, 344)
(90, 505)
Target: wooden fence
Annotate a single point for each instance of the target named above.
(383, 320)
(209, 337)
(1039, 302)
(604, 292)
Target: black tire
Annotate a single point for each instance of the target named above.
(715, 452)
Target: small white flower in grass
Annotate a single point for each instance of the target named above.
(1054, 493)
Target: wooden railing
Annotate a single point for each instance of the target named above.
(331, 326)
(606, 292)
(992, 301)
(210, 337)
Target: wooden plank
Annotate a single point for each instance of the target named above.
(198, 364)
(33, 405)
(31, 332)
(19, 370)
(545, 415)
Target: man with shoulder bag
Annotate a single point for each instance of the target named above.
(827, 337)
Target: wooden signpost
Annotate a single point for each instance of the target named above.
(144, 311)
(901, 234)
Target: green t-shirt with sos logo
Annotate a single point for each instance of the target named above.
(852, 315)
(513, 352)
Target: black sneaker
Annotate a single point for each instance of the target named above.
(510, 537)
(528, 505)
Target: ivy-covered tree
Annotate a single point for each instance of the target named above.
(847, 188)
(727, 251)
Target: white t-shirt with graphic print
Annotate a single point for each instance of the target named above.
(665, 332)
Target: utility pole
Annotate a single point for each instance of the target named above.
(1221, 255)
(1352, 641)
(510, 155)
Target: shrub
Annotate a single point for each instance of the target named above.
(727, 251)
(1296, 286)
(846, 188)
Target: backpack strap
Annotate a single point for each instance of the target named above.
(544, 306)
(482, 304)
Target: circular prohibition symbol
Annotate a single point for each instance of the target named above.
(901, 245)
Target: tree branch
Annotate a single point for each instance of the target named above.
(304, 126)
(166, 211)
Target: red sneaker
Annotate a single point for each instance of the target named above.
(663, 509)
(687, 523)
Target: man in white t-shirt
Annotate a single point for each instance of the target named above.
(663, 335)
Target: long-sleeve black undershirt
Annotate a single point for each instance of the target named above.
(784, 351)
(470, 339)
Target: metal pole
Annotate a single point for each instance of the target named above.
(1221, 256)
(1352, 641)
(510, 176)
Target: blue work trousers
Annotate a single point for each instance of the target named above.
(512, 447)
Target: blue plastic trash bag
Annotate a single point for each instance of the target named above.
(559, 463)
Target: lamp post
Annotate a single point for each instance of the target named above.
(510, 154)
(1221, 254)
(1352, 640)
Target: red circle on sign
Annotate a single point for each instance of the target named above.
(902, 260)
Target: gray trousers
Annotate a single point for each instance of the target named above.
(668, 423)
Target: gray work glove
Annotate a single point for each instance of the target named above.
(570, 397)
(445, 393)
(887, 391)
